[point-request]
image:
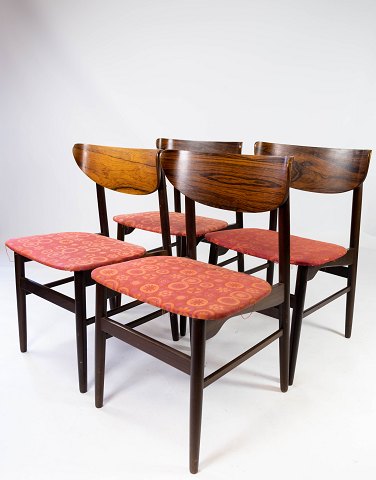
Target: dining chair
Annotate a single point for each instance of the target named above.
(207, 294)
(132, 171)
(150, 221)
(318, 170)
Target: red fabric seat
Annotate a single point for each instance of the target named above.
(184, 286)
(264, 244)
(150, 221)
(74, 251)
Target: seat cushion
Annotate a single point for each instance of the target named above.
(150, 221)
(74, 251)
(184, 286)
(264, 244)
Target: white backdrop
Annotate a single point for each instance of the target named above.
(126, 72)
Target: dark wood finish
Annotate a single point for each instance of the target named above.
(325, 170)
(125, 170)
(81, 334)
(260, 185)
(100, 344)
(102, 210)
(196, 391)
(199, 146)
(19, 263)
(321, 170)
(133, 171)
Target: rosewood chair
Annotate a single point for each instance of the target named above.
(207, 294)
(319, 170)
(125, 170)
(150, 221)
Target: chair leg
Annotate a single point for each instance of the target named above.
(213, 254)
(297, 317)
(350, 299)
(174, 326)
(284, 350)
(270, 273)
(19, 263)
(240, 262)
(196, 391)
(81, 329)
(183, 326)
(100, 345)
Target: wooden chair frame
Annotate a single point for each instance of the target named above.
(324, 170)
(199, 185)
(103, 172)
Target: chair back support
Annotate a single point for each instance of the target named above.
(126, 170)
(198, 146)
(321, 170)
(242, 183)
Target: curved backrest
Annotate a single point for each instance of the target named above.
(321, 170)
(242, 183)
(127, 170)
(198, 146)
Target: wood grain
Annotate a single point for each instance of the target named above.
(199, 146)
(242, 183)
(321, 170)
(126, 170)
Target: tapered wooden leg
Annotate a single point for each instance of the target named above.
(196, 391)
(183, 325)
(297, 317)
(240, 262)
(81, 329)
(100, 345)
(284, 346)
(174, 326)
(270, 273)
(213, 254)
(19, 263)
(350, 299)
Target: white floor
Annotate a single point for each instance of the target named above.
(323, 427)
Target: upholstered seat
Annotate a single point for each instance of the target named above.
(184, 286)
(150, 221)
(74, 251)
(264, 244)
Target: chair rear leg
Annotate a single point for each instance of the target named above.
(174, 326)
(240, 262)
(213, 254)
(19, 263)
(284, 350)
(100, 345)
(350, 298)
(297, 317)
(81, 329)
(196, 391)
(270, 273)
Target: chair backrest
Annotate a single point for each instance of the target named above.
(241, 183)
(321, 170)
(326, 170)
(198, 146)
(127, 170)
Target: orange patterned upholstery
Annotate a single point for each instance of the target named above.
(74, 251)
(264, 244)
(184, 286)
(150, 221)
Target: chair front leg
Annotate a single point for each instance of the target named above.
(100, 345)
(270, 273)
(213, 254)
(350, 297)
(19, 263)
(196, 391)
(297, 317)
(284, 350)
(81, 328)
